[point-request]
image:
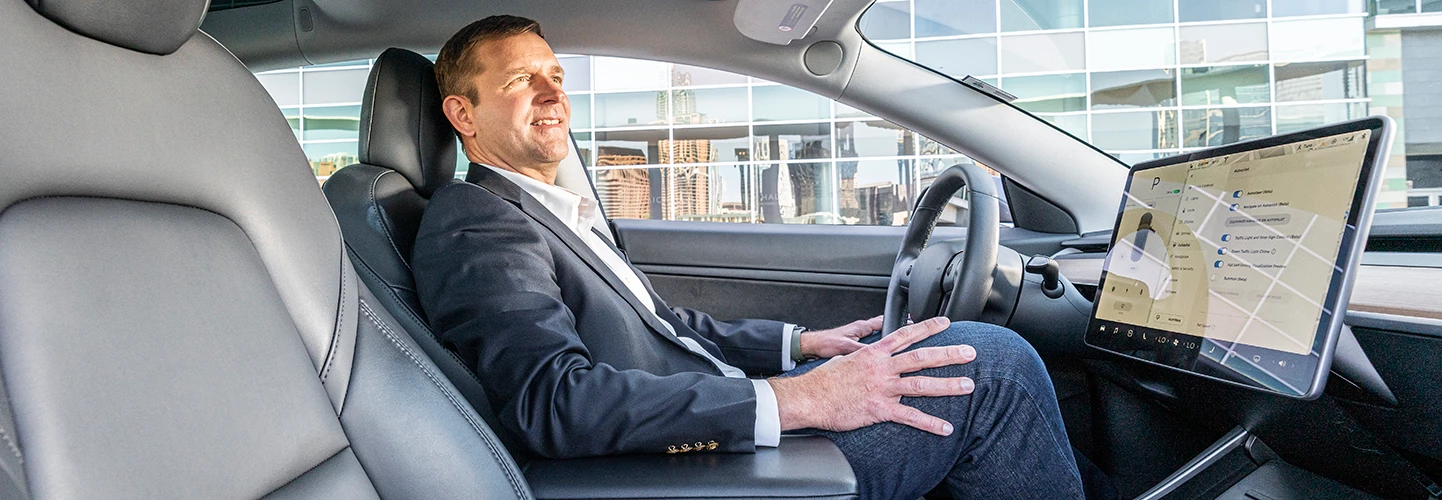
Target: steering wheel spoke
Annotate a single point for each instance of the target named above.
(972, 277)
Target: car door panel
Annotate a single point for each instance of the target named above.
(814, 275)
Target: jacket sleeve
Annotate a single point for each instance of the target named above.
(487, 281)
(753, 345)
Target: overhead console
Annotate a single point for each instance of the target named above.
(1234, 263)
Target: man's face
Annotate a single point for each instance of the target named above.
(521, 116)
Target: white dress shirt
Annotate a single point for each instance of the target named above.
(578, 212)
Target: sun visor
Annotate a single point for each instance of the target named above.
(776, 22)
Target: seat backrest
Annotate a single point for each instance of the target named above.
(178, 318)
(407, 151)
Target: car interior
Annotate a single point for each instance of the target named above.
(185, 314)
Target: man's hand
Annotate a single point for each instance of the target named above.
(838, 341)
(865, 387)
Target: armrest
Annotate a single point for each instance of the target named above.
(802, 467)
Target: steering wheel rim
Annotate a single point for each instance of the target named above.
(978, 262)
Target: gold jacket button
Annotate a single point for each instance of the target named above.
(672, 449)
(711, 445)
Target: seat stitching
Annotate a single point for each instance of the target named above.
(385, 228)
(416, 317)
(15, 449)
(335, 338)
(490, 445)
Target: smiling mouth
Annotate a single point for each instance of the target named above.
(547, 121)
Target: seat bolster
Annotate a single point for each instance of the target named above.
(410, 428)
(378, 212)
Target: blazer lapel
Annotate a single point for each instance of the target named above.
(504, 188)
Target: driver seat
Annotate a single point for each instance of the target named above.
(178, 318)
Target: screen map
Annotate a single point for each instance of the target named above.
(1239, 249)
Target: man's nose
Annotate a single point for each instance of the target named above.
(549, 92)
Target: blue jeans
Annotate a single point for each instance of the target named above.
(1009, 440)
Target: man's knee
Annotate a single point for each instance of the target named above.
(1000, 352)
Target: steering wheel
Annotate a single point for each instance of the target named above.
(955, 282)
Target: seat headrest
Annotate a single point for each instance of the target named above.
(402, 126)
(150, 26)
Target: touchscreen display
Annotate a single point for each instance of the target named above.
(1223, 265)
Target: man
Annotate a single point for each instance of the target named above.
(582, 358)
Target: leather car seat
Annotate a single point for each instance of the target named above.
(407, 150)
(178, 318)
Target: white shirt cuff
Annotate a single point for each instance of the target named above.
(768, 415)
(787, 330)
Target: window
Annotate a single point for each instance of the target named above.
(1315, 39)
(1128, 12)
(1223, 43)
(1321, 81)
(1128, 89)
(1131, 49)
(1281, 8)
(1048, 93)
(1220, 10)
(888, 21)
(1225, 85)
(959, 58)
(1135, 131)
(1032, 15)
(1042, 53)
(951, 17)
(1220, 126)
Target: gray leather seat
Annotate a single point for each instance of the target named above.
(178, 318)
(407, 150)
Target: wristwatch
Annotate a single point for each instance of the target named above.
(796, 354)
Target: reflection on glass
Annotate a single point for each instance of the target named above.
(1284, 8)
(887, 21)
(327, 157)
(1218, 10)
(1216, 127)
(1131, 49)
(958, 58)
(1315, 39)
(292, 116)
(874, 192)
(873, 138)
(844, 111)
(796, 193)
(1127, 89)
(1074, 124)
(614, 73)
(1321, 80)
(1030, 15)
(1135, 158)
(619, 148)
(1225, 85)
(1396, 7)
(930, 146)
(900, 49)
(736, 189)
(1223, 43)
(1042, 52)
(580, 110)
(578, 73)
(1135, 130)
(626, 193)
(1431, 5)
(584, 148)
(284, 88)
(1305, 116)
(955, 17)
(776, 102)
(684, 76)
(331, 122)
(1125, 12)
(800, 141)
(630, 109)
(334, 86)
(707, 145)
(1048, 93)
(724, 105)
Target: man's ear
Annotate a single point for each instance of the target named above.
(457, 110)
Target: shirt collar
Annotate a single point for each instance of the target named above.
(577, 211)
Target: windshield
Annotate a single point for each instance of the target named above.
(1144, 79)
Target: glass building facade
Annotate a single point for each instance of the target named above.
(1140, 79)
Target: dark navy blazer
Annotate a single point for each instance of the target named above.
(572, 364)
